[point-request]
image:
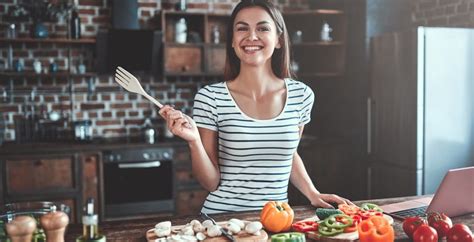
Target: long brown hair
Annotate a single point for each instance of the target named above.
(280, 57)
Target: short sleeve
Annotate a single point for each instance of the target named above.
(307, 102)
(204, 110)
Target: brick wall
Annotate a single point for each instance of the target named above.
(437, 13)
(114, 113)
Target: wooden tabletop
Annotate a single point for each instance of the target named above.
(134, 230)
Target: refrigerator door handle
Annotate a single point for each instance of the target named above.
(369, 125)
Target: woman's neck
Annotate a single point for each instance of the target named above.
(256, 80)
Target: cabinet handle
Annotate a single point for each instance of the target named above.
(38, 163)
(369, 125)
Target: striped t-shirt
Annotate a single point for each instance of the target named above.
(255, 156)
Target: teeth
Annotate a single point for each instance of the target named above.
(252, 48)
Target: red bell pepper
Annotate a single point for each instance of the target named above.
(365, 214)
(305, 226)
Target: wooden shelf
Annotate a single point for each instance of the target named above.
(319, 43)
(313, 12)
(320, 74)
(195, 74)
(57, 74)
(48, 40)
(173, 44)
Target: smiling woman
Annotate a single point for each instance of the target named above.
(246, 130)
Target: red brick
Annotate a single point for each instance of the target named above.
(198, 5)
(147, 4)
(9, 108)
(60, 106)
(145, 13)
(20, 53)
(143, 105)
(93, 115)
(98, 3)
(19, 99)
(90, 28)
(48, 98)
(120, 114)
(90, 106)
(133, 113)
(115, 131)
(119, 97)
(121, 105)
(106, 114)
(147, 113)
(64, 99)
(86, 11)
(133, 122)
(105, 97)
(80, 115)
(100, 19)
(427, 5)
(107, 122)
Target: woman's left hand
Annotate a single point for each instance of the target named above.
(323, 200)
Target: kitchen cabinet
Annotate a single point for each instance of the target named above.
(314, 58)
(68, 178)
(43, 177)
(203, 52)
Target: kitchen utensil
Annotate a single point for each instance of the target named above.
(224, 232)
(131, 84)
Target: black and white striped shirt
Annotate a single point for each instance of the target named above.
(255, 156)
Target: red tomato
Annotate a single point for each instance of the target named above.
(460, 233)
(410, 224)
(441, 223)
(425, 233)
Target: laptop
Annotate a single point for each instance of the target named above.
(454, 197)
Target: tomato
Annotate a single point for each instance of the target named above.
(440, 222)
(460, 233)
(410, 224)
(425, 233)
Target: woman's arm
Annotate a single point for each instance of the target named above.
(202, 144)
(300, 179)
(205, 159)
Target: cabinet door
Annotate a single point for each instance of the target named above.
(190, 201)
(39, 176)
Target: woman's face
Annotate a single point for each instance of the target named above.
(255, 36)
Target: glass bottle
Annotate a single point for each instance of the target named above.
(75, 25)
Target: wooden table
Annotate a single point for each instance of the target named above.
(134, 230)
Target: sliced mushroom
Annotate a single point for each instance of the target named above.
(214, 231)
(233, 228)
(163, 229)
(207, 223)
(199, 228)
(253, 228)
(238, 222)
(200, 236)
(194, 222)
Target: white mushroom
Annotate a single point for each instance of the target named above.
(199, 228)
(163, 229)
(253, 228)
(188, 230)
(214, 231)
(238, 222)
(200, 236)
(233, 228)
(207, 223)
(194, 222)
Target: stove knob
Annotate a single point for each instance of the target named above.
(166, 155)
(118, 157)
(111, 157)
(146, 156)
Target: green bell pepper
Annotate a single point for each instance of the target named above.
(289, 237)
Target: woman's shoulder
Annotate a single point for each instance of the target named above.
(213, 88)
(295, 85)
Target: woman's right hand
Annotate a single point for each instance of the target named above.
(180, 124)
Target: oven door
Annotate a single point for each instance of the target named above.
(138, 188)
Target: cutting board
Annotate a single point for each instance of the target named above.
(242, 236)
(344, 236)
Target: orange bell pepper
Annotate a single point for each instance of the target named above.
(376, 229)
(277, 216)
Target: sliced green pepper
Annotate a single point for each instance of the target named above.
(338, 221)
(327, 231)
(370, 206)
(289, 237)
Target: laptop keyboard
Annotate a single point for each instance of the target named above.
(419, 211)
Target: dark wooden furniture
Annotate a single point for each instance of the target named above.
(71, 173)
(317, 59)
(135, 230)
(200, 55)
